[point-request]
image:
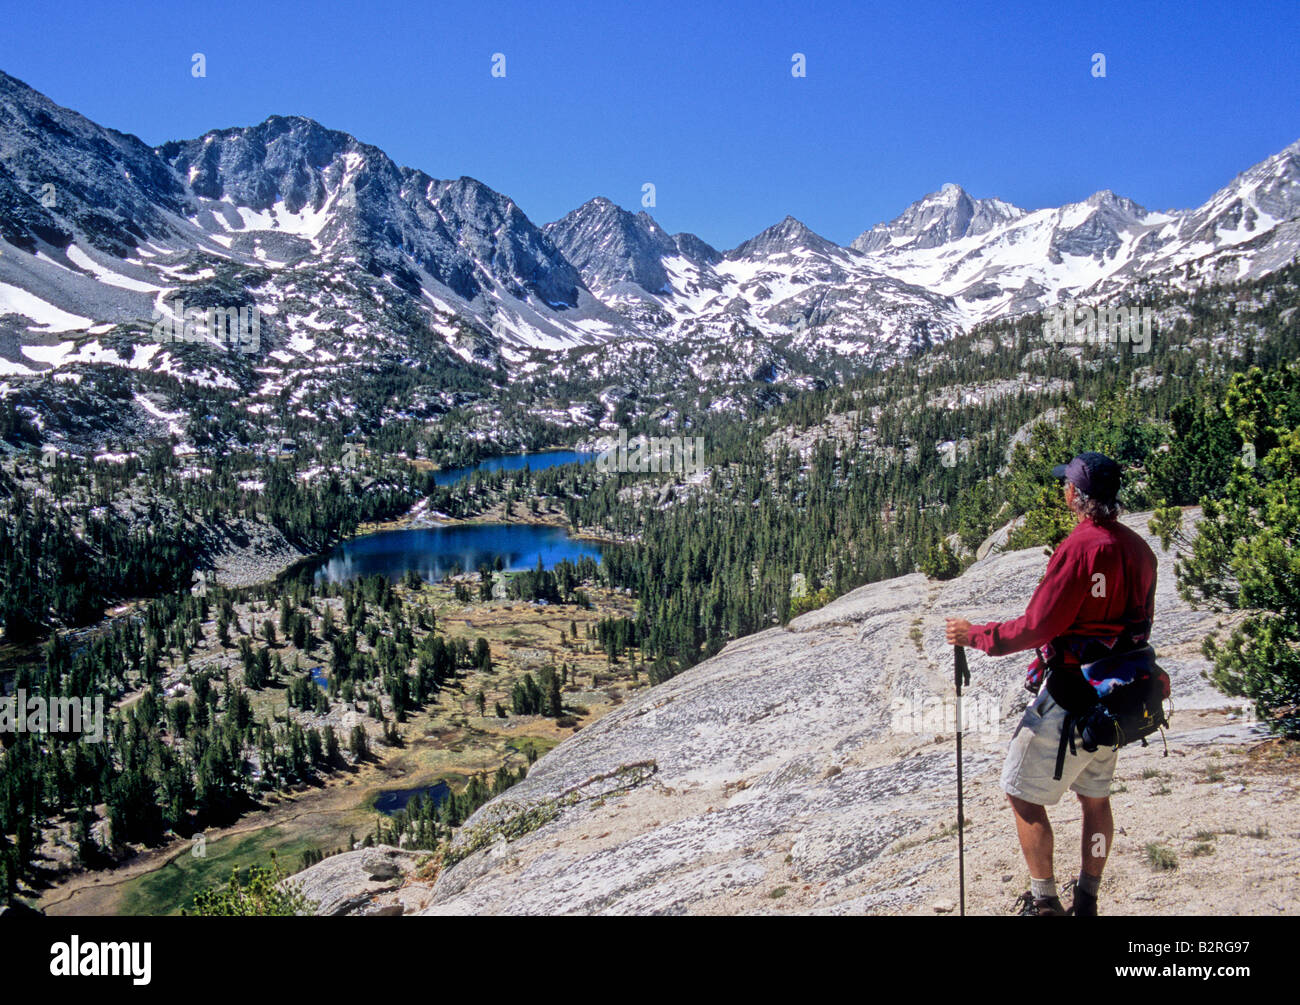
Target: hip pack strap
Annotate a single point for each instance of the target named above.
(1067, 736)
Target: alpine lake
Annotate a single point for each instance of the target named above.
(446, 743)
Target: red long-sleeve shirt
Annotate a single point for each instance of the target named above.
(1100, 579)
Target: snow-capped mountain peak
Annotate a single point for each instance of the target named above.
(939, 218)
(787, 237)
(993, 258)
(353, 258)
(609, 245)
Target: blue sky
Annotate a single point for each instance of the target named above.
(698, 98)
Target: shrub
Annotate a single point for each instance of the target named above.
(940, 562)
(1160, 857)
(265, 894)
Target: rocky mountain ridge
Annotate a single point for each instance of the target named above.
(993, 258)
(356, 264)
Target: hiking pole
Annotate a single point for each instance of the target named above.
(960, 673)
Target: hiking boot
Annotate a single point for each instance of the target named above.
(1085, 903)
(1041, 907)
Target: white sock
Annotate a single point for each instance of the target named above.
(1042, 888)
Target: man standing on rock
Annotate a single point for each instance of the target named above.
(1096, 599)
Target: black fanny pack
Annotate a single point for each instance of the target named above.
(1111, 702)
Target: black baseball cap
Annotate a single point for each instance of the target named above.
(1093, 474)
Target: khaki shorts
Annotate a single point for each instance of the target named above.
(1031, 759)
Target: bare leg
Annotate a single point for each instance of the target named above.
(1098, 832)
(1035, 832)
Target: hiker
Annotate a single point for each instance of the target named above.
(1096, 599)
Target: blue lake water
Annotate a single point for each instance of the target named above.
(514, 462)
(434, 551)
(392, 800)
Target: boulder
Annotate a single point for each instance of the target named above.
(348, 883)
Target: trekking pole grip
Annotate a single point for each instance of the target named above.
(961, 674)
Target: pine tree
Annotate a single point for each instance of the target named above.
(1247, 550)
